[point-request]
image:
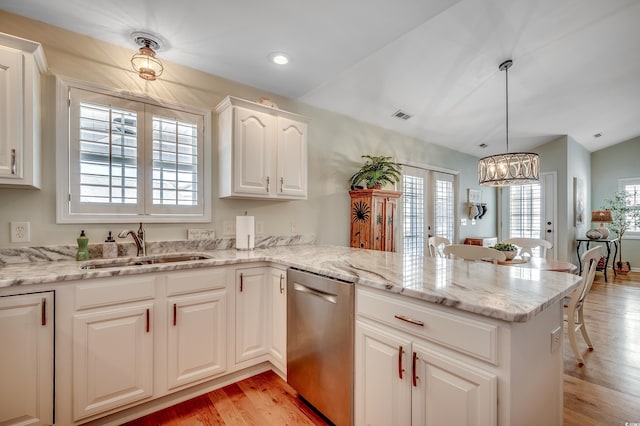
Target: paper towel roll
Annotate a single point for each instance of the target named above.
(245, 233)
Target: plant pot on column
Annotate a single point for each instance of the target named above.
(376, 172)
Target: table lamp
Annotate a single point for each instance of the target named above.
(602, 217)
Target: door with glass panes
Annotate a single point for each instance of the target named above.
(428, 208)
(529, 211)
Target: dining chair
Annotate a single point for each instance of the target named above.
(526, 244)
(470, 252)
(436, 245)
(574, 304)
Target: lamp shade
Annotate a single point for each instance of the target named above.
(601, 216)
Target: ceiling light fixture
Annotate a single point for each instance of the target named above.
(145, 62)
(279, 58)
(517, 168)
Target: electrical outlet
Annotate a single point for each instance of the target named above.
(229, 228)
(20, 232)
(259, 227)
(463, 222)
(556, 339)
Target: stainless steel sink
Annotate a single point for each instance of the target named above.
(141, 261)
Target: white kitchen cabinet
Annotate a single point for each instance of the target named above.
(447, 391)
(252, 327)
(113, 338)
(26, 333)
(279, 318)
(404, 379)
(196, 326)
(262, 151)
(382, 377)
(21, 63)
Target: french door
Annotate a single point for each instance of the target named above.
(428, 207)
(529, 211)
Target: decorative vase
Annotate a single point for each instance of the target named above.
(593, 234)
(509, 254)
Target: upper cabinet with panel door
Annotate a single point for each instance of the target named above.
(21, 63)
(262, 151)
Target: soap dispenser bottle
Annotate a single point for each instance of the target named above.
(83, 247)
(109, 248)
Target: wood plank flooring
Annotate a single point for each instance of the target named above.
(606, 391)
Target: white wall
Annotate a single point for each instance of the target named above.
(335, 145)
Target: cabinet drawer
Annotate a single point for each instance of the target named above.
(466, 335)
(195, 280)
(110, 291)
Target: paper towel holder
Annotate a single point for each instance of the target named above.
(245, 226)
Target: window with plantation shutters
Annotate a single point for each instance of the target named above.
(525, 211)
(444, 216)
(413, 215)
(129, 161)
(631, 186)
(427, 207)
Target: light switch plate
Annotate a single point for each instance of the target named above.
(259, 227)
(463, 222)
(229, 228)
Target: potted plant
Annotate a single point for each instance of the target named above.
(376, 172)
(510, 251)
(624, 215)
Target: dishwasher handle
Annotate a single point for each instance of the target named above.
(327, 297)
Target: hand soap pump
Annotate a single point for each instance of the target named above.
(83, 247)
(109, 248)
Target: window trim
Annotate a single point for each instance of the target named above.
(62, 121)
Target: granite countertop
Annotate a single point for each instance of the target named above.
(508, 293)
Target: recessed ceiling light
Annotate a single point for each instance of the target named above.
(279, 58)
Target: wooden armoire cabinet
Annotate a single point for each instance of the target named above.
(373, 217)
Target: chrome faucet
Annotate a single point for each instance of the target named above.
(137, 238)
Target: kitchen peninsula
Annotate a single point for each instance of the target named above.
(485, 337)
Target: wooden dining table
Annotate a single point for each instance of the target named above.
(541, 264)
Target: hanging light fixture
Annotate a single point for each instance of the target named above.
(145, 62)
(510, 168)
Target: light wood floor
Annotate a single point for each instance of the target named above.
(606, 391)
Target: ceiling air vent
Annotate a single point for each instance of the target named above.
(401, 115)
(483, 145)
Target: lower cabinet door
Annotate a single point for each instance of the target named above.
(448, 392)
(279, 317)
(26, 366)
(382, 378)
(196, 337)
(251, 313)
(112, 358)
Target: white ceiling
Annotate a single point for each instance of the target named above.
(576, 62)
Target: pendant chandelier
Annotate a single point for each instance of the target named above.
(510, 168)
(145, 62)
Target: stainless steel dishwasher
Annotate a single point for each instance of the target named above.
(320, 333)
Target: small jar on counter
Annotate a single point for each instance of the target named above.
(109, 248)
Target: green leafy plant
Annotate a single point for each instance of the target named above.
(376, 170)
(624, 214)
(505, 247)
